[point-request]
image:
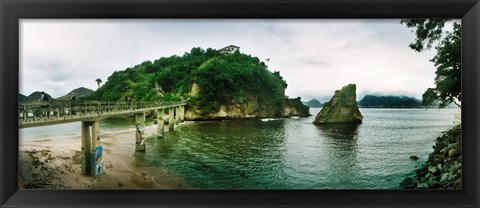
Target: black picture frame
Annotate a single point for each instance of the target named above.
(13, 10)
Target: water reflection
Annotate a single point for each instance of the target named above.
(224, 154)
(121, 122)
(341, 143)
(340, 137)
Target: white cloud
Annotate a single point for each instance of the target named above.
(316, 57)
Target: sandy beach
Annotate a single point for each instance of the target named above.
(48, 163)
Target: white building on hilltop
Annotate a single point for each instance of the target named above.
(229, 49)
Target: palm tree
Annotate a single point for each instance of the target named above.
(98, 80)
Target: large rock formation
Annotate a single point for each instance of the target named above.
(249, 109)
(342, 108)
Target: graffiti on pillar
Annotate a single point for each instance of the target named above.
(99, 165)
(140, 134)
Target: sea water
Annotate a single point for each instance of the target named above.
(288, 153)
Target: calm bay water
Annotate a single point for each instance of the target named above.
(291, 153)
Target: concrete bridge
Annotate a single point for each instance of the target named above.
(90, 113)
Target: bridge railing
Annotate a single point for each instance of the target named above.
(48, 109)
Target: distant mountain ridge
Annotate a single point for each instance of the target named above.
(36, 96)
(372, 101)
(314, 103)
(79, 93)
(22, 97)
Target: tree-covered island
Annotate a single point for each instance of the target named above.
(217, 85)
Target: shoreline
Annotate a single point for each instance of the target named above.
(56, 164)
(443, 169)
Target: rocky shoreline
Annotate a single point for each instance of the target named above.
(443, 169)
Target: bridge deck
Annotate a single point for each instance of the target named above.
(42, 113)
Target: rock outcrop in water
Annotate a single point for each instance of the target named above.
(342, 108)
(443, 169)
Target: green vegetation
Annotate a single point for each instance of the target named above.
(371, 101)
(98, 80)
(344, 97)
(297, 104)
(447, 60)
(222, 79)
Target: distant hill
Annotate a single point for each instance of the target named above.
(79, 93)
(372, 101)
(314, 103)
(21, 97)
(36, 96)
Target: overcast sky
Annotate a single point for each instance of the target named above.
(315, 57)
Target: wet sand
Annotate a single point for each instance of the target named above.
(52, 163)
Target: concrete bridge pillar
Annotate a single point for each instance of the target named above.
(92, 149)
(171, 123)
(86, 148)
(25, 113)
(182, 113)
(140, 132)
(177, 115)
(160, 123)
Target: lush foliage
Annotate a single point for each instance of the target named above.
(427, 31)
(447, 60)
(297, 104)
(221, 79)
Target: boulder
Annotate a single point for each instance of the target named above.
(342, 108)
(413, 157)
(453, 152)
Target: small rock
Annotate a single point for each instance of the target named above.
(439, 166)
(120, 184)
(408, 183)
(432, 169)
(454, 166)
(432, 183)
(438, 159)
(422, 186)
(446, 177)
(444, 150)
(428, 175)
(453, 152)
(413, 157)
